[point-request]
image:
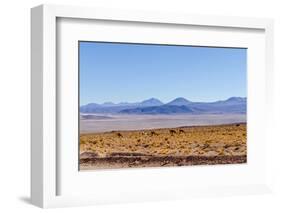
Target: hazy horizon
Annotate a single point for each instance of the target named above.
(119, 72)
(139, 101)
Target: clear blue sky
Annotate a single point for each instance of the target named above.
(134, 72)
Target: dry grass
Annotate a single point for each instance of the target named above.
(221, 140)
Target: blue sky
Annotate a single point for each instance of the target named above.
(134, 72)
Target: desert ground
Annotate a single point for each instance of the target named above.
(111, 122)
(203, 144)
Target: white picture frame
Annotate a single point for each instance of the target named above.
(45, 152)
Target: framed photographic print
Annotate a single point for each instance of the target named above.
(148, 105)
(128, 127)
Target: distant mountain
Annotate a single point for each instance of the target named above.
(90, 107)
(230, 105)
(179, 102)
(151, 102)
(96, 108)
(235, 100)
(110, 107)
(108, 104)
(236, 105)
(164, 109)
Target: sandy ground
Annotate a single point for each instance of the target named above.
(181, 146)
(139, 122)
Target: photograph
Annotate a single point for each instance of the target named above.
(161, 105)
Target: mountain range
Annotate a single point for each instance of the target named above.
(180, 105)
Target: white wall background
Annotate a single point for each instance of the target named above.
(15, 103)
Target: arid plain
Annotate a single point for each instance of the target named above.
(157, 145)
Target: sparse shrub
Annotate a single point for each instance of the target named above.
(237, 125)
(93, 142)
(153, 133)
(221, 153)
(119, 134)
(172, 131)
(82, 142)
(226, 146)
(205, 146)
(182, 131)
(145, 145)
